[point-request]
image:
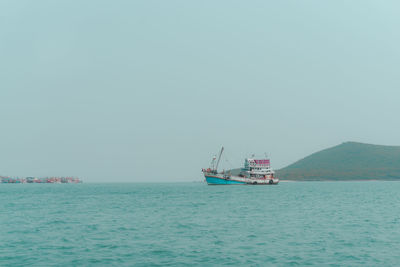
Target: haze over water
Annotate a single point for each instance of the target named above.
(128, 90)
(192, 224)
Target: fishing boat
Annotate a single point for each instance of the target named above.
(254, 172)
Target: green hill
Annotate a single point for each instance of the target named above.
(348, 161)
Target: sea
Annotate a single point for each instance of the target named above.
(192, 224)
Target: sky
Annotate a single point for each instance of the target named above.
(149, 91)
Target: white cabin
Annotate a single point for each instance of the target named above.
(257, 168)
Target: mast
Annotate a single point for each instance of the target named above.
(219, 158)
(212, 165)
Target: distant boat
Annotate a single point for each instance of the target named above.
(254, 172)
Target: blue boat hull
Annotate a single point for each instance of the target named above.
(212, 180)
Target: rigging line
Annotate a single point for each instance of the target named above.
(225, 159)
(227, 155)
(230, 164)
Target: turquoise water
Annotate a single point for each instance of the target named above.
(192, 224)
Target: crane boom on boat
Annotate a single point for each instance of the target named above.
(219, 158)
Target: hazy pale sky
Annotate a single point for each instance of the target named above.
(150, 90)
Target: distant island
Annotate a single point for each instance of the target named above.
(345, 162)
(36, 180)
